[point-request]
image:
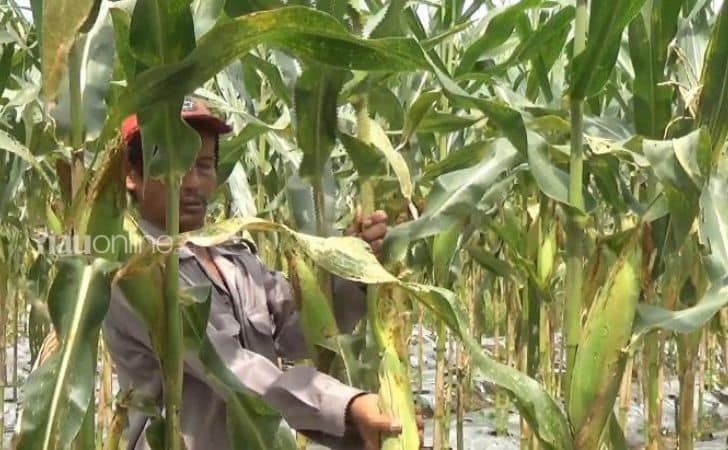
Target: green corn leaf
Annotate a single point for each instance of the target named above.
(651, 317)
(650, 34)
(682, 163)
(499, 29)
(713, 109)
(384, 103)
(367, 160)
(9, 144)
(169, 144)
(315, 98)
(58, 394)
(436, 122)
(391, 21)
(417, 111)
(305, 32)
(714, 225)
(452, 198)
(552, 181)
(96, 69)
(592, 67)
(462, 158)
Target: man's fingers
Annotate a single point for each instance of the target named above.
(384, 424)
(372, 444)
(378, 216)
(374, 232)
(377, 246)
(355, 228)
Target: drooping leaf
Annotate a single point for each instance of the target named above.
(273, 75)
(531, 46)
(437, 122)
(682, 163)
(384, 103)
(492, 263)
(505, 118)
(651, 317)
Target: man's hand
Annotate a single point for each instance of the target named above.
(371, 229)
(370, 422)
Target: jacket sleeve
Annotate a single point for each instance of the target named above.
(308, 399)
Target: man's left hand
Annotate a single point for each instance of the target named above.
(372, 229)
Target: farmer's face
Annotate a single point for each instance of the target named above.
(197, 187)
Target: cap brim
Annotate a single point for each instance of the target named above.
(208, 122)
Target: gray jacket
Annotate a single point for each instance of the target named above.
(253, 321)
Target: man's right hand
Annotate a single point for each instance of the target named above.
(371, 423)
(365, 415)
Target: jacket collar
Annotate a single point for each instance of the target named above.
(153, 232)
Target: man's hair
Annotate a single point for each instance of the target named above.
(135, 155)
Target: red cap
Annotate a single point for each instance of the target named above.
(194, 111)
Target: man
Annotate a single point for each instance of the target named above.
(253, 319)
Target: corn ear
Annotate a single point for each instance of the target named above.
(396, 400)
(395, 393)
(546, 255)
(599, 362)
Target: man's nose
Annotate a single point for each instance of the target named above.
(191, 179)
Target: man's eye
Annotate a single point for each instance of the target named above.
(205, 164)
